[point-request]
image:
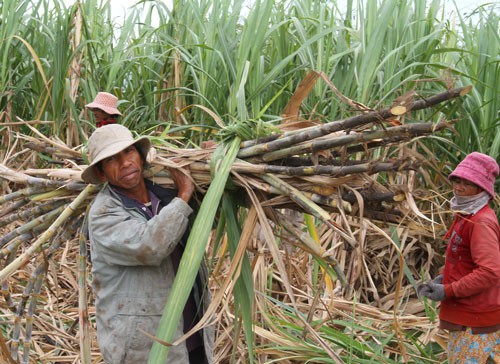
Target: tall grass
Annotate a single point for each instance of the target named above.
(205, 65)
(476, 61)
(197, 52)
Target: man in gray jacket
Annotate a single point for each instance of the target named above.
(137, 231)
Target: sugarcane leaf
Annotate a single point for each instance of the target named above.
(243, 289)
(192, 256)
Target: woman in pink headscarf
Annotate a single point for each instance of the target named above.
(469, 288)
(104, 108)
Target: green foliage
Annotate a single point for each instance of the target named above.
(158, 60)
(247, 130)
(476, 61)
(358, 341)
(181, 70)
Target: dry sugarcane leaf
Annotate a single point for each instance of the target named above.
(289, 125)
(354, 104)
(292, 109)
(59, 145)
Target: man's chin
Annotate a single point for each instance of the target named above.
(128, 183)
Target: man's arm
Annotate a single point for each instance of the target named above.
(122, 237)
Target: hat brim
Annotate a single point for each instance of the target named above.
(461, 172)
(107, 109)
(89, 175)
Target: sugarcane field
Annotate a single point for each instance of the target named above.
(319, 135)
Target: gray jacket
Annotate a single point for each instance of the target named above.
(132, 274)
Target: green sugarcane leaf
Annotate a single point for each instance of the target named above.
(243, 289)
(192, 257)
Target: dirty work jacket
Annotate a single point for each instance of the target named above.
(132, 274)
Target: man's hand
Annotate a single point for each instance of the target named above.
(184, 184)
(431, 290)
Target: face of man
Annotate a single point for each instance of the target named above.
(123, 170)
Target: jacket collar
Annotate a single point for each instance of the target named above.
(159, 197)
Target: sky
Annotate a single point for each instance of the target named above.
(462, 4)
(120, 8)
(465, 6)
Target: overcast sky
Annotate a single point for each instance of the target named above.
(465, 6)
(121, 7)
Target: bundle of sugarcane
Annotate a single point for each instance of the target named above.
(316, 160)
(319, 170)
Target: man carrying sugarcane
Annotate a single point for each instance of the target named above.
(137, 231)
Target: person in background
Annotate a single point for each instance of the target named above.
(469, 288)
(104, 108)
(137, 231)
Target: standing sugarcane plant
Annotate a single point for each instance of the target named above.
(54, 58)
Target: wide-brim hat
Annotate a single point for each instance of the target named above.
(480, 169)
(107, 141)
(105, 102)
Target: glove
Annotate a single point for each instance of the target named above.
(420, 287)
(438, 279)
(431, 290)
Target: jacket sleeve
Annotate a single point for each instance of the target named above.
(122, 237)
(485, 252)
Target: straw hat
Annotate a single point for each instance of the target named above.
(480, 169)
(107, 141)
(105, 102)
